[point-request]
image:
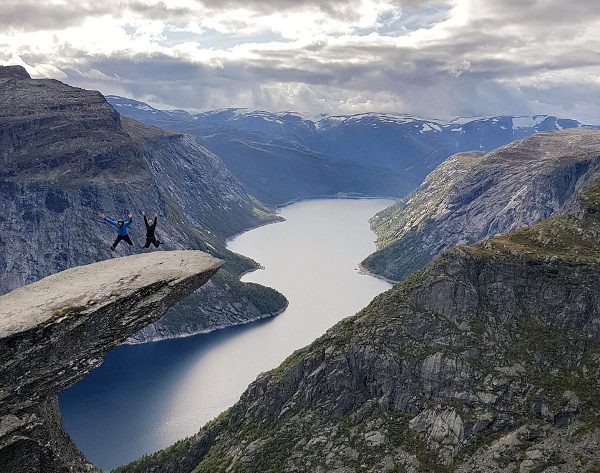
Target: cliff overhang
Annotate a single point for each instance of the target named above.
(55, 331)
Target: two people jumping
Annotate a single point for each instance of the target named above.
(122, 227)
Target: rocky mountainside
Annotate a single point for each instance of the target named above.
(67, 155)
(473, 196)
(55, 331)
(487, 360)
(283, 156)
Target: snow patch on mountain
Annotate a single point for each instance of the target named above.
(527, 122)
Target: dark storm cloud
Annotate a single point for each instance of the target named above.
(31, 15)
(183, 85)
(430, 80)
(340, 9)
(545, 14)
(35, 15)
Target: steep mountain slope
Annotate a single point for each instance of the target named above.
(66, 156)
(270, 163)
(487, 360)
(472, 196)
(282, 156)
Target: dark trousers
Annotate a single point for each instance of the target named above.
(125, 238)
(153, 241)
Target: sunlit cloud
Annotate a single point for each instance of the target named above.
(439, 58)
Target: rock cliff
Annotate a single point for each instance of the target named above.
(473, 196)
(53, 332)
(66, 155)
(487, 360)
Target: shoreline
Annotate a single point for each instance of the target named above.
(277, 207)
(277, 219)
(366, 272)
(214, 329)
(341, 196)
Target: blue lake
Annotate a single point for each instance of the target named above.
(145, 397)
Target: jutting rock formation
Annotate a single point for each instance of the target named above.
(66, 155)
(53, 332)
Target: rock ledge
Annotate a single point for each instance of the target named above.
(55, 331)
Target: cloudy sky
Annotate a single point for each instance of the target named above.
(438, 58)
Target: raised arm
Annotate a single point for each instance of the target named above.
(155, 220)
(130, 215)
(108, 220)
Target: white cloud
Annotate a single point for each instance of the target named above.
(432, 58)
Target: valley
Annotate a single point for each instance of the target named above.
(485, 360)
(484, 357)
(145, 397)
(281, 157)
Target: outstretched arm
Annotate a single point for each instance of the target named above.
(145, 219)
(108, 220)
(130, 215)
(155, 220)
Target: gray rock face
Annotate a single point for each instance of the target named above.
(16, 72)
(55, 331)
(474, 196)
(66, 156)
(486, 360)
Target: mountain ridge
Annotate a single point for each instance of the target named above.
(282, 157)
(473, 196)
(237, 113)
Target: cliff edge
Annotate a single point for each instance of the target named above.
(55, 331)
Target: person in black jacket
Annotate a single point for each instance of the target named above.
(150, 228)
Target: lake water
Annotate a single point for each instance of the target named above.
(146, 397)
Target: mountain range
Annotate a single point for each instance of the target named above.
(280, 157)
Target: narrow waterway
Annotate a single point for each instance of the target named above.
(145, 397)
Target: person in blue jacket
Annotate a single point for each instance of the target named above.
(122, 229)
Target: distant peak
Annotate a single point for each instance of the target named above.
(14, 72)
